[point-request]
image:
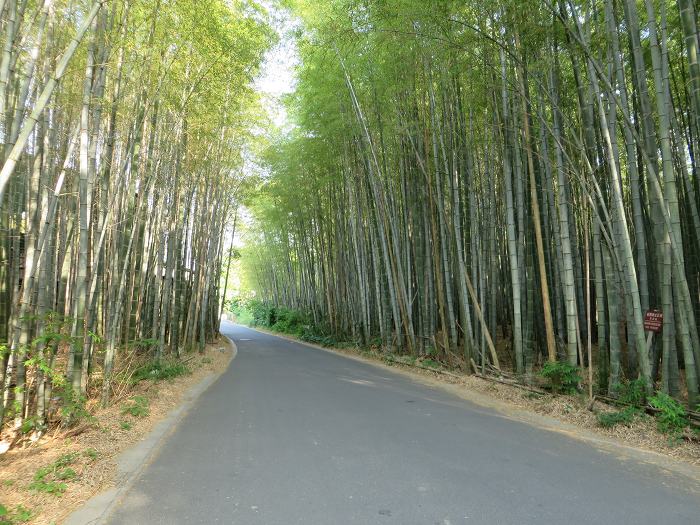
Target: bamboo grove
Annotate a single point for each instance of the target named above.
(508, 182)
(123, 126)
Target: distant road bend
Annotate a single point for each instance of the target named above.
(295, 435)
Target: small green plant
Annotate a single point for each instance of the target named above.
(59, 471)
(8, 482)
(137, 406)
(158, 371)
(622, 417)
(66, 474)
(125, 425)
(53, 468)
(632, 392)
(56, 488)
(206, 360)
(66, 459)
(73, 406)
(28, 425)
(143, 344)
(672, 417)
(430, 363)
(563, 377)
(19, 515)
(90, 453)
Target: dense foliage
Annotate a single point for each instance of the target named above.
(124, 126)
(504, 181)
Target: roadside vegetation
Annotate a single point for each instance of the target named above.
(118, 194)
(506, 188)
(46, 480)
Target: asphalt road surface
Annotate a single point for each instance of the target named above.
(295, 435)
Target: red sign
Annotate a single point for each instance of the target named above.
(653, 321)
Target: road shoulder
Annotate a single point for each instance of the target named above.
(108, 454)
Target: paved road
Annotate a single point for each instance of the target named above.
(294, 435)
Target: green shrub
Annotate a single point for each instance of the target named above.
(288, 321)
(672, 417)
(430, 363)
(622, 417)
(159, 370)
(65, 460)
(632, 392)
(262, 314)
(28, 425)
(563, 377)
(73, 406)
(319, 339)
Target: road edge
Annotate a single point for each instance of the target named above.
(133, 460)
(509, 411)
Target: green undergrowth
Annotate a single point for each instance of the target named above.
(159, 371)
(563, 378)
(136, 406)
(254, 313)
(19, 514)
(54, 478)
(630, 393)
(626, 417)
(671, 416)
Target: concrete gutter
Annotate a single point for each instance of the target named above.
(132, 462)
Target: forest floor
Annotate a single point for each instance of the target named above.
(579, 421)
(88, 459)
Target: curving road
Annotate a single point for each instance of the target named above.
(294, 435)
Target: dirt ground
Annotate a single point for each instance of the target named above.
(91, 454)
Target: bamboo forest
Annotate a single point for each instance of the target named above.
(501, 185)
(124, 124)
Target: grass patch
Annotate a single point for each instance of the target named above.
(52, 478)
(621, 417)
(57, 488)
(430, 363)
(20, 514)
(137, 406)
(159, 371)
